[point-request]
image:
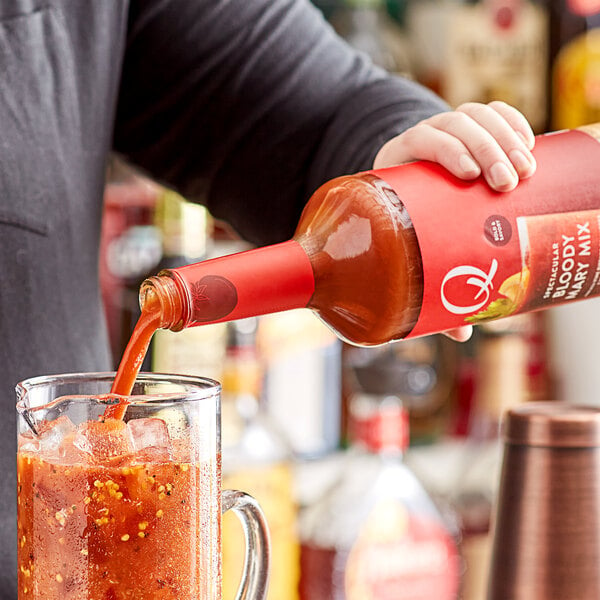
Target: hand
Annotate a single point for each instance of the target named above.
(493, 140)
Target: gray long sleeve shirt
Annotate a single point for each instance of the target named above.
(246, 105)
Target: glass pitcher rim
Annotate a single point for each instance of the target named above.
(196, 388)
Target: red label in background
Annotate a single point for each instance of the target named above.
(399, 555)
(584, 7)
(385, 429)
(489, 254)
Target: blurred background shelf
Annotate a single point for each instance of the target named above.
(289, 384)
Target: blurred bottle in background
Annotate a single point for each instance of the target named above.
(302, 386)
(130, 248)
(464, 388)
(185, 230)
(541, 379)
(145, 228)
(422, 371)
(376, 534)
(568, 19)
(497, 50)
(200, 352)
(502, 381)
(426, 24)
(368, 26)
(256, 458)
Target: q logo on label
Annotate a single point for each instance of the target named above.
(478, 279)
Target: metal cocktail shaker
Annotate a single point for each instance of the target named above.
(547, 531)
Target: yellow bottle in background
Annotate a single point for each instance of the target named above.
(185, 233)
(576, 81)
(256, 459)
(503, 382)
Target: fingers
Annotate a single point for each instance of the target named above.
(510, 140)
(427, 142)
(494, 140)
(516, 120)
(462, 334)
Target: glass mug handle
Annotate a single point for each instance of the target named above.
(255, 576)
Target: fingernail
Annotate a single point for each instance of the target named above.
(529, 140)
(502, 177)
(468, 165)
(522, 163)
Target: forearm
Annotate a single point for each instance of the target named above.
(249, 106)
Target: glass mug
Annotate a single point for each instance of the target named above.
(115, 509)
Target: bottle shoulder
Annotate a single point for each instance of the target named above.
(362, 195)
(257, 442)
(365, 483)
(366, 260)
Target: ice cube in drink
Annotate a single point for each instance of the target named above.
(54, 437)
(150, 440)
(104, 440)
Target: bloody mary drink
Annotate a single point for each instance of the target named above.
(86, 526)
(126, 508)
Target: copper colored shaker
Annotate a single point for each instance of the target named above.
(547, 531)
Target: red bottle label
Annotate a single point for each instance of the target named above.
(488, 255)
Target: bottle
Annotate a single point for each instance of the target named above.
(302, 382)
(412, 250)
(567, 20)
(427, 26)
(185, 228)
(257, 458)
(376, 534)
(498, 50)
(130, 248)
(541, 378)
(423, 370)
(575, 83)
(367, 26)
(503, 382)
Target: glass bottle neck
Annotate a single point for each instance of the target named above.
(161, 295)
(260, 281)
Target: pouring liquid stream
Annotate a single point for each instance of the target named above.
(133, 357)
